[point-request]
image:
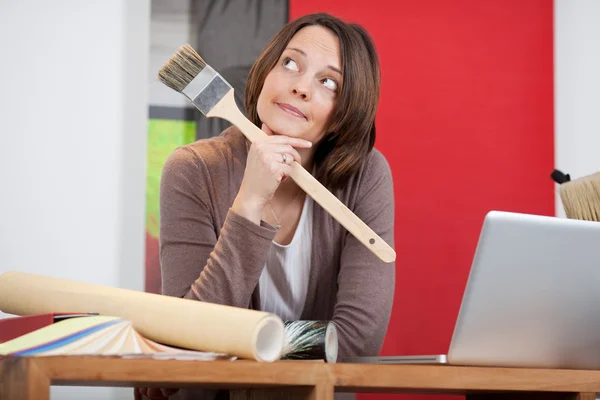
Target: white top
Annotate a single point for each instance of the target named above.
(284, 280)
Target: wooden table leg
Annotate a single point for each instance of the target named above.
(21, 379)
(318, 392)
(532, 396)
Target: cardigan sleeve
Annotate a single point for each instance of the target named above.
(365, 283)
(197, 262)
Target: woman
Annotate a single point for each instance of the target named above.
(236, 231)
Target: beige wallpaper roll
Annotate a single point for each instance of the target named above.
(173, 321)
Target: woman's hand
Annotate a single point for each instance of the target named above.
(268, 165)
(153, 393)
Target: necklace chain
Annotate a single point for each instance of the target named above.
(278, 226)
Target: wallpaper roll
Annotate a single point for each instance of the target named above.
(310, 340)
(168, 320)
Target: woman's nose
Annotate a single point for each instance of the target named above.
(301, 88)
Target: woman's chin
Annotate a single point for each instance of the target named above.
(285, 128)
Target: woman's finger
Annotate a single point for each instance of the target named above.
(286, 170)
(281, 149)
(284, 158)
(281, 139)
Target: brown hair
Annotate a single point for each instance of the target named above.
(350, 134)
(581, 198)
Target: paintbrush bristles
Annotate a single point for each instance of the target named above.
(581, 198)
(183, 66)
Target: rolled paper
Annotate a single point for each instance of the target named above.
(187, 324)
(310, 340)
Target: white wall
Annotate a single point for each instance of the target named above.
(170, 27)
(577, 88)
(73, 107)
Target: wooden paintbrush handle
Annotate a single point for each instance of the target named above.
(228, 110)
(342, 214)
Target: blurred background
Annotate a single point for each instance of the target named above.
(481, 100)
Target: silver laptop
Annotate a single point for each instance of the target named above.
(532, 297)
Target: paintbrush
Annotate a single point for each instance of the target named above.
(187, 73)
(580, 197)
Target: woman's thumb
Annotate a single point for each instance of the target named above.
(266, 129)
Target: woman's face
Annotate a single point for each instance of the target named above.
(299, 94)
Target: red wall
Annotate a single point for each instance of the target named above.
(466, 122)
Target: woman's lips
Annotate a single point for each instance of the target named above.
(291, 110)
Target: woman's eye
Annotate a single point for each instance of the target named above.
(290, 64)
(329, 83)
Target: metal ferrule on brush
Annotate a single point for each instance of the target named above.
(206, 89)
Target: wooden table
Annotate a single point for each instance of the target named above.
(31, 378)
